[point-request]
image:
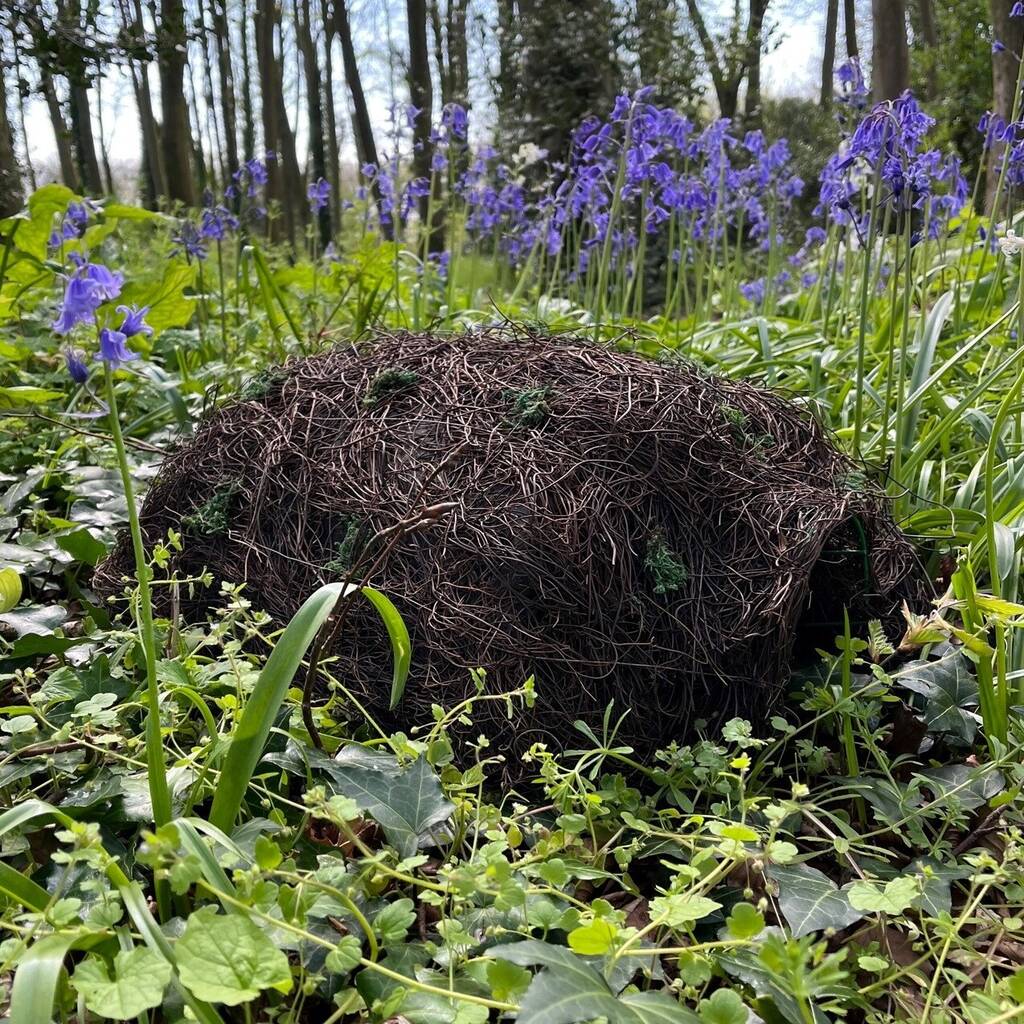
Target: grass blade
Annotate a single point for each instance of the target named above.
(401, 645)
(251, 735)
(37, 977)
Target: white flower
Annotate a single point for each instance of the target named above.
(1011, 243)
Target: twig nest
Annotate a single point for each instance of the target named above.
(624, 529)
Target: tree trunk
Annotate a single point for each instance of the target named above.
(61, 132)
(85, 147)
(108, 178)
(176, 135)
(422, 98)
(16, 51)
(755, 43)
(330, 119)
(890, 63)
(828, 60)
(366, 147)
(248, 118)
(931, 41)
(196, 134)
(294, 201)
(218, 151)
(310, 66)
(139, 71)
(69, 20)
(850, 27)
(440, 61)
(1005, 70)
(11, 192)
(458, 50)
(222, 41)
(263, 25)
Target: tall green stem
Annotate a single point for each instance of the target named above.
(159, 793)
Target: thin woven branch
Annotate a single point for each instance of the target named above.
(625, 528)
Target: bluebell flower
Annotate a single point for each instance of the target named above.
(134, 321)
(217, 222)
(456, 121)
(853, 90)
(318, 194)
(753, 291)
(79, 305)
(997, 46)
(189, 241)
(1017, 10)
(113, 348)
(77, 368)
(106, 282)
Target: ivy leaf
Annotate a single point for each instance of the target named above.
(970, 787)
(810, 901)
(570, 990)
(406, 803)
(140, 977)
(951, 692)
(229, 959)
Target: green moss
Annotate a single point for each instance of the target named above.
(389, 382)
(212, 518)
(259, 384)
(345, 550)
(530, 407)
(666, 568)
(756, 444)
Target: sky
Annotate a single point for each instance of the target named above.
(790, 68)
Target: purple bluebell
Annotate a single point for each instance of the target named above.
(134, 321)
(189, 241)
(113, 349)
(78, 370)
(318, 193)
(79, 304)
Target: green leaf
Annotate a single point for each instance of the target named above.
(401, 645)
(745, 921)
(593, 939)
(250, 737)
(344, 956)
(10, 589)
(265, 700)
(35, 982)
(810, 901)
(140, 977)
(895, 898)
(951, 690)
(394, 921)
(570, 990)
(682, 909)
(165, 296)
(407, 803)
(82, 546)
(43, 206)
(229, 959)
(20, 395)
(508, 981)
(724, 1007)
